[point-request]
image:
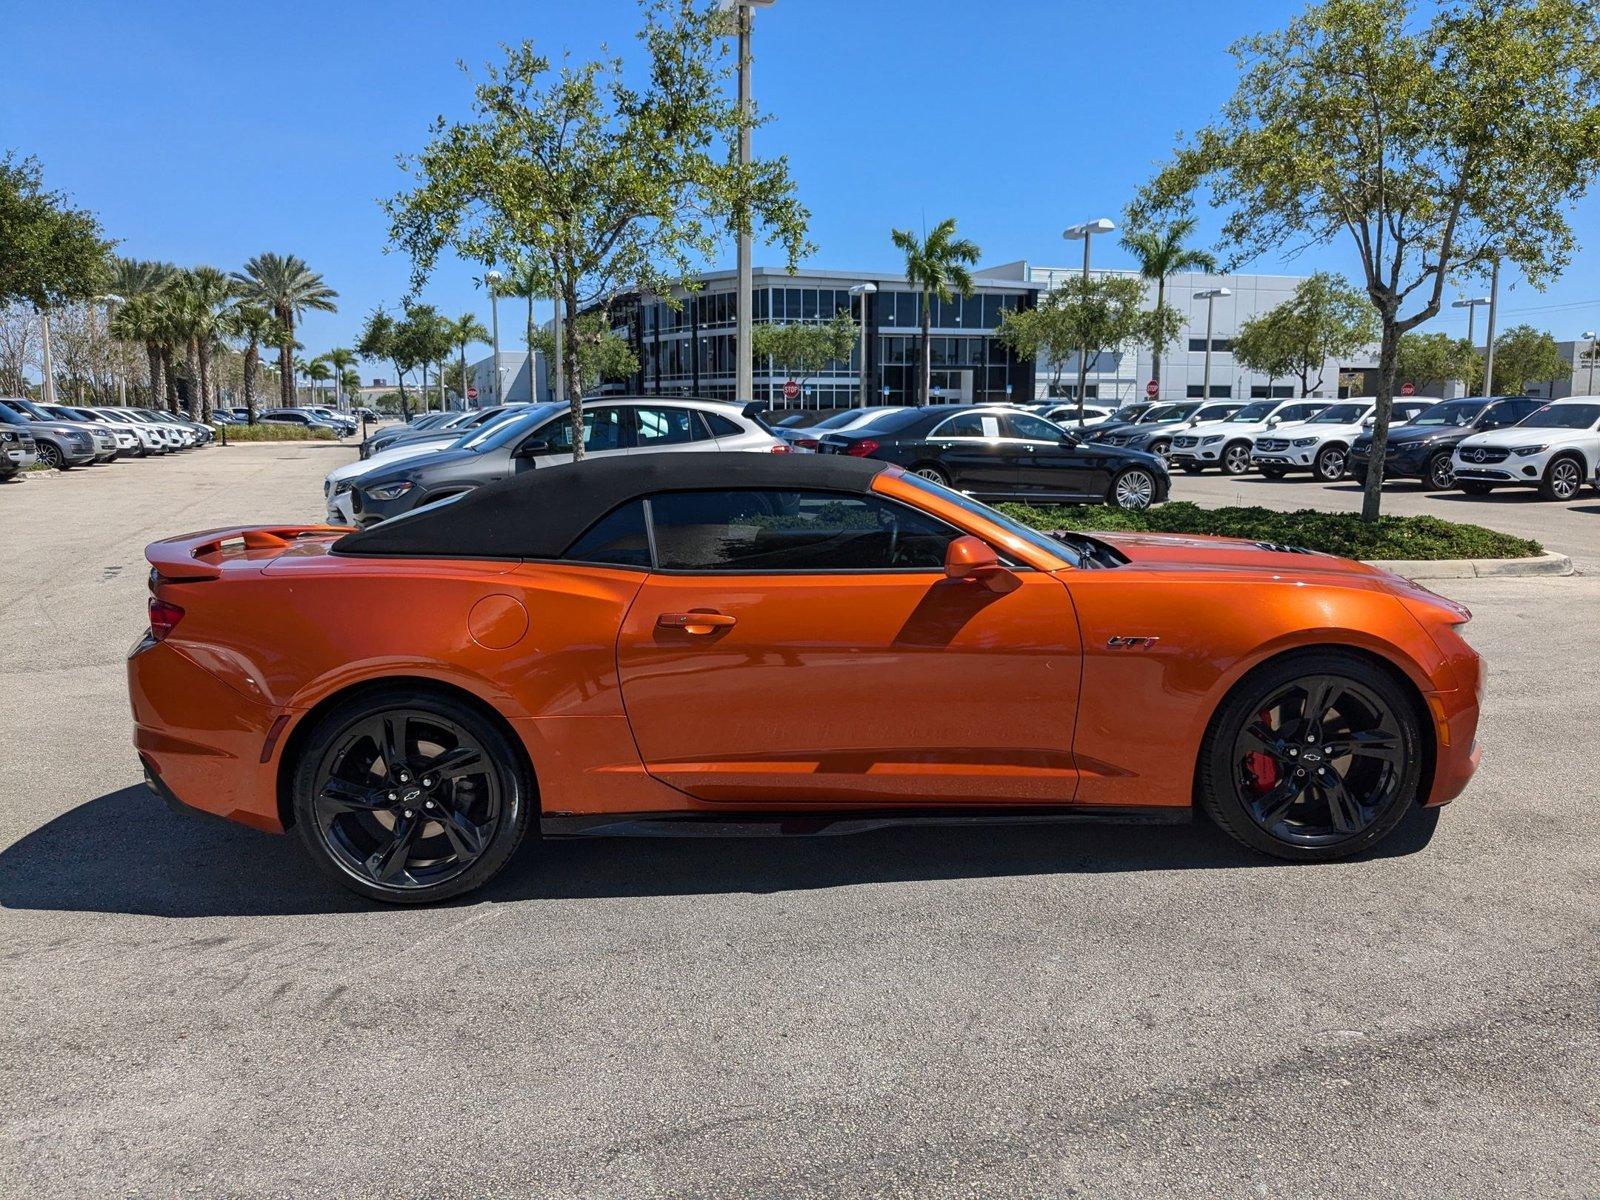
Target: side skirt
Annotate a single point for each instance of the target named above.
(812, 824)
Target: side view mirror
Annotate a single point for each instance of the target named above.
(972, 558)
(1273, 422)
(533, 449)
(1071, 439)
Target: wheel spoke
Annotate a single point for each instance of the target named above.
(1372, 743)
(388, 861)
(1343, 808)
(393, 744)
(340, 796)
(1322, 693)
(1275, 804)
(453, 764)
(1270, 743)
(465, 837)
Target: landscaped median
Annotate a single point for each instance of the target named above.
(1418, 547)
(275, 431)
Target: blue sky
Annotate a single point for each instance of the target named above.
(206, 132)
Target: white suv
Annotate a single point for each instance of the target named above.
(1554, 448)
(1319, 445)
(1226, 443)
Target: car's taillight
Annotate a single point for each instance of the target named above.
(164, 618)
(862, 448)
(781, 448)
(807, 443)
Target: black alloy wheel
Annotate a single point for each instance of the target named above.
(1313, 757)
(1330, 462)
(1236, 458)
(1441, 471)
(410, 797)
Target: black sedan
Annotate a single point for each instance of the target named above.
(1003, 453)
(1421, 448)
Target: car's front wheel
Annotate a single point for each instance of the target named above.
(1313, 757)
(1274, 472)
(1134, 489)
(1562, 479)
(1473, 488)
(409, 796)
(1441, 471)
(1329, 464)
(1236, 458)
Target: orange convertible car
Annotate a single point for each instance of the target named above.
(786, 641)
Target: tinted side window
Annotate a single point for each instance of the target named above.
(665, 427)
(962, 425)
(720, 425)
(1032, 428)
(793, 531)
(602, 430)
(618, 539)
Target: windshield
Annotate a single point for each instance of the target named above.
(838, 419)
(1033, 537)
(1339, 414)
(474, 438)
(32, 409)
(508, 431)
(1253, 412)
(1563, 416)
(1168, 412)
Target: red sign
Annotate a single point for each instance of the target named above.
(472, 393)
(1151, 389)
(1408, 389)
(791, 390)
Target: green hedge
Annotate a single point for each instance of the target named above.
(1344, 534)
(274, 431)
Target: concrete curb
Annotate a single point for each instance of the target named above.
(1548, 563)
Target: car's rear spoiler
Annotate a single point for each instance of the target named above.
(193, 556)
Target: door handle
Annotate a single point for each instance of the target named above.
(698, 622)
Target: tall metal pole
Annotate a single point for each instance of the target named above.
(744, 381)
(1083, 351)
(1472, 311)
(48, 388)
(1494, 300)
(1590, 392)
(561, 361)
(494, 324)
(1205, 378)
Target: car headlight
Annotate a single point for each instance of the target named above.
(389, 491)
(1305, 441)
(1528, 451)
(1212, 440)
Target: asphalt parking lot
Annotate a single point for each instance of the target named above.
(1081, 1010)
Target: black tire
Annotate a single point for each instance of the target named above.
(1192, 468)
(1236, 458)
(1441, 471)
(1357, 474)
(1274, 472)
(931, 472)
(1330, 463)
(50, 455)
(403, 835)
(1133, 490)
(1563, 478)
(1473, 488)
(1162, 448)
(1260, 782)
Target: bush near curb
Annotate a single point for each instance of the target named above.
(274, 431)
(1344, 534)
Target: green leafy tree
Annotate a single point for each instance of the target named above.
(1104, 313)
(1160, 249)
(603, 354)
(50, 252)
(429, 337)
(1325, 318)
(1431, 359)
(255, 327)
(595, 184)
(382, 341)
(1433, 137)
(801, 350)
(936, 265)
(287, 288)
(341, 360)
(1524, 356)
(466, 330)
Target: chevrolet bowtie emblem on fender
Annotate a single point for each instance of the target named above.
(1131, 643)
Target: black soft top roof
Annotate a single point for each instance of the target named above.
(541, 512)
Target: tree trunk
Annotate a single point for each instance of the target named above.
(207, 385)
(1155, 347)
(927, 349)
(464, 373)
(153, 353)
(194, 379)
(1388, 356)
(569, 352)
(400, 379)
(286, 371)
(251, 355)
(169, 381)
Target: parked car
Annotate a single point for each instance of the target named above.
(342, 421)
(807, 439)
(18, 451)
(1423, 446)
(803, 418)
(1555, 449)
(1001, 453)
(1226, 444)
(542, 437)
(1067, 414)
(1156, 431)
(153, 441)
(127, 438)
(1319, 445)
(443, 432)
(300, 417)
(178, 434)
(754, 638)
(57, 443)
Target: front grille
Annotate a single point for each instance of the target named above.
(1272, 443)
(1114, 439)
(1185, 442)
(80, 440)
(1485, 454)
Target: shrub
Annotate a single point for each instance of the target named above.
(274, 431)
(1344, 534)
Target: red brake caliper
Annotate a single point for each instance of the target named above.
(1260, 768)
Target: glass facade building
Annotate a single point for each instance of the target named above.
(687, 347)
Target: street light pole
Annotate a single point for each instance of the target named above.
(1589, 337)
(744, 370)
(1471, 304)
(47, 389)
(111, 301)
(864, 290)
(1073, 233)
(493, 279)
(1209, 295)
(1494, 303)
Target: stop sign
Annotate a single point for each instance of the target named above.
(1408, 389)
(791, 390)
(472, 393)
(1151, 388)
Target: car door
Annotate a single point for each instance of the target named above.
(607, 430)
(1053, 466)
(659, 428)
(804, 646)
(974, 450)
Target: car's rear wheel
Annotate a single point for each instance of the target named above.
(933, 473)
(1562, 479)
(1313, 757)
(1330, 463)
(1190, 468)
(1441, 471)
(1474, 488)
(1236, 458)
(1162, 448)
(1134, 490)
(410, 797)
(1274, 472)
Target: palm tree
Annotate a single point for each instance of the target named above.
(316, 371)
(341, 360)
(286, 287)
(257, 327)
(211, 291)
(1160, 252)
(140, 283)
(464, 331)
(934, 266)
(350, 382)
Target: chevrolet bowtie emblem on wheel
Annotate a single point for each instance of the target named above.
(1131, 643)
